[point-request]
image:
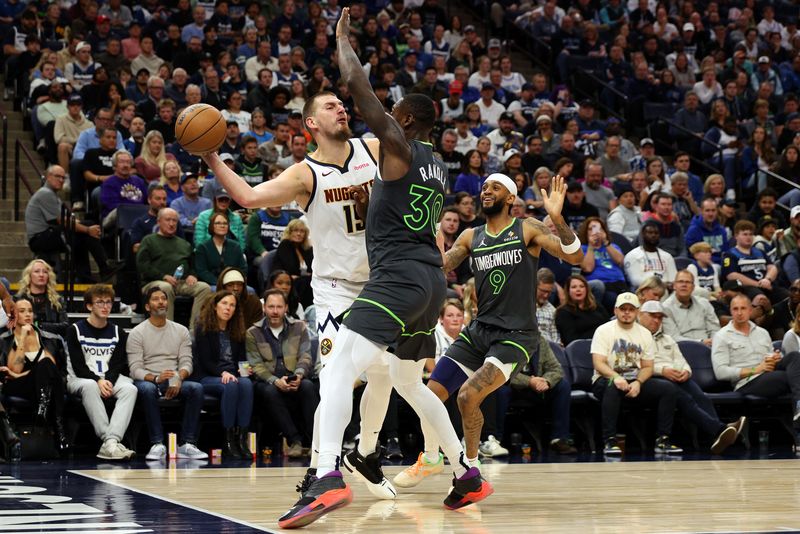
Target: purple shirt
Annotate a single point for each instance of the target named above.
(116, 191)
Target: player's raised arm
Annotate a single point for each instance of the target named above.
(395, 150)
(565, 244)
(286, 187)
(458, 252)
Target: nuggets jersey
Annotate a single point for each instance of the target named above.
(336, 231)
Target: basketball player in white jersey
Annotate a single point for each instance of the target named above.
(330, 185)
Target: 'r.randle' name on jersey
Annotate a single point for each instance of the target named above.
(433, 172)
(496, 259)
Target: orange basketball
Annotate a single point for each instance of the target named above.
(200, 128)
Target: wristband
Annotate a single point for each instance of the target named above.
(573, 247)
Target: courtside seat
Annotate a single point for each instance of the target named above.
(698, 356)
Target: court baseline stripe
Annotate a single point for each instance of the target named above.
(172, 501)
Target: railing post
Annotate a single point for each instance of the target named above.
(5, 154)
(16, 180)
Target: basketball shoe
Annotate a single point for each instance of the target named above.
(422, 468)
(324, 495)
(468, 489)
(368, 468)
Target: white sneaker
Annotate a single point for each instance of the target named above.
(108, 451)
(491, 448)
(191, 452)
(156, 452)
(125, 451)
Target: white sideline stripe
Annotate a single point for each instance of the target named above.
(172, 501)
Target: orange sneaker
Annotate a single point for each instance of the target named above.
(323, 496)
(414, 474)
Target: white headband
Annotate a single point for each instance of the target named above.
(503, 180)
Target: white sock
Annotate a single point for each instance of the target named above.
(315, 441)
(374, 403)
(352, 355)
(407, 380)
(431, 453)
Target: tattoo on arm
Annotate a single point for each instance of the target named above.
(454, 257)
(565, 233)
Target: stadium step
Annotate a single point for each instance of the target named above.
(14, 252)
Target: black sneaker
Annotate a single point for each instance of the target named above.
(468, 489)
(308, 479)
(369, 470)
(725, 439)
(663, 446)
(393, 451)
(611, 447)
(324, 495)
(563, 446)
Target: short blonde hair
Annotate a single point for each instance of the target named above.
(700, 246)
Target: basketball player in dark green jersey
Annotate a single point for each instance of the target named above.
(497, 343)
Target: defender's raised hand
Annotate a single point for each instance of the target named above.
(343, 26)
(555, 200)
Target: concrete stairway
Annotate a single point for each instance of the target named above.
(14, 251)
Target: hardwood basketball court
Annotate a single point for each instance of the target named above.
(652, 496)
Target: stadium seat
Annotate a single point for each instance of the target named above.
(698, 356)
(682, 262)
(126, 216)
(622, 242)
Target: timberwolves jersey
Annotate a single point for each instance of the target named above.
(402, 217)
(336, 231)
(505, 278)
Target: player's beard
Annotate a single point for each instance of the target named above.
(342, 134)
(496, 208)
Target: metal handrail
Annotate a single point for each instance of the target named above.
(5, 153)
(717, 147)
(616, 92)
(19, 175)
(775, 176)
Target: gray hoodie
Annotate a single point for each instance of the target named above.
(626, 222)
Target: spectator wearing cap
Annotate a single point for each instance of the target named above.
(408, 75)
(233, 140)
(465, 139)
(233, 280)
(504, 135)
(218, 252)
(68, 128)
(98, 39)
(706, 228)
(706, 273)
(210, 186)
(764, 73)
(786, 240)
(626, 218)
(623, 354)
(222, 202)
(598, 195)
(137, 88)
(452, 106)
(648, 259)
(190, 205)
(670, 365)
(81, 71)
(647, 151)
(693, 124)
(550, 139)
(765, 238)
(576, 208)
(524, 108)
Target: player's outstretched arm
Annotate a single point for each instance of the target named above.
(395, 150)
(286, 187)
(565, 244)
(458, 252)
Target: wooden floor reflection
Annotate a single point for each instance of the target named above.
(696, 496)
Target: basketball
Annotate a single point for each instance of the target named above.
(200, 128)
